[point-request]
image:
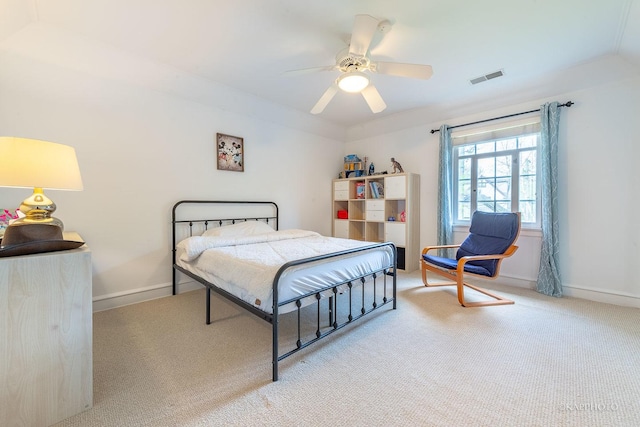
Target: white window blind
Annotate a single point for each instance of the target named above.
(496, 131)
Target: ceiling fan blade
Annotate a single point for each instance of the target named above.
(364, 27)
(326, 97)
(309, 70)
(373, 98)
(415, 71)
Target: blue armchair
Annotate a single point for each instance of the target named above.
(491, 239)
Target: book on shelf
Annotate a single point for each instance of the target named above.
(373, 190)
(360, 190)
(377, 190)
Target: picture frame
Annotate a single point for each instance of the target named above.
(230, 152)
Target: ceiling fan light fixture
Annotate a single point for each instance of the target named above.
(353, 82)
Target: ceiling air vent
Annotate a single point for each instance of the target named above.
(486, 77)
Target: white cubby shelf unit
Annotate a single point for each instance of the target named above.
(380, 208)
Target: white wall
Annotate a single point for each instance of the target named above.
(141, 150)
(599, 183)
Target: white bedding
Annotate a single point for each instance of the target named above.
(246, 265)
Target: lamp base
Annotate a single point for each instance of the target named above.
(38, 209)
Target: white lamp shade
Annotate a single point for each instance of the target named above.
(31, 163)
(353, 81)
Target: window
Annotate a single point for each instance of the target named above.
(497, 175)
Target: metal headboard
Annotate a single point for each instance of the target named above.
(270, 216)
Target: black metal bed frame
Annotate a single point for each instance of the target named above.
(273, 318)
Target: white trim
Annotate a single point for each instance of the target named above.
(602, 295)
(134, 296)
(120, 299)
(596, 295)
(531, 231)
(515, 281)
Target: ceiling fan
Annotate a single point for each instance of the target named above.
(355, 64)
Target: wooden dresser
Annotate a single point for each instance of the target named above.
(46, 358)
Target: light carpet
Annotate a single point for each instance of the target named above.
(540, 362)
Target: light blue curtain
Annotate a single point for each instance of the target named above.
(445, 191)
(549, 274)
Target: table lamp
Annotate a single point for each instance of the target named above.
(30, 163)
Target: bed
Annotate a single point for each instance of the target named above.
(235, 248)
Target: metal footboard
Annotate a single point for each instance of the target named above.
(334, 323)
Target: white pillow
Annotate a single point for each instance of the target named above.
(243, 228)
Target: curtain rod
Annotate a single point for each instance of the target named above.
(566, 104)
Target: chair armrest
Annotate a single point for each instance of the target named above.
(429, 248)
(463, 260)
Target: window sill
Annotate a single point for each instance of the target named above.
(529, 231)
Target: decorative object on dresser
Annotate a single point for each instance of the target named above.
(240, 254)
(35, 239)
(379, 216)
(6, 216)
(37, 164)
(230, 151)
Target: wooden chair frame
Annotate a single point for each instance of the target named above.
(458, 275)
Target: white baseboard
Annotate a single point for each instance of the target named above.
(601, 295)
(597, 295)
(518, 282)
(134, 296)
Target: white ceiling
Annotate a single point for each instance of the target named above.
(544, 47)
